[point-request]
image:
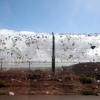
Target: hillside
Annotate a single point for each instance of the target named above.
(83, 68)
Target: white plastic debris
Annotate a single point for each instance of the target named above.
(60, 80)
(96, 69)
(47, 92)
(98, 80)
(35, 80)
(71, 78)
(12, 79)
(11, 93)
(96, 87)
(49, 75)
(97, 94)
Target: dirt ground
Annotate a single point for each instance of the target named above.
(24, 82)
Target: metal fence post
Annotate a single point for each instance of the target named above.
(29, 66)
(53, 53)
(1, 65)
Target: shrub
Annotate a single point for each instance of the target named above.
(87, 79)
(88, 92)
(2, 83)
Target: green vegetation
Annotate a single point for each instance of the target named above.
(87, 79)
(2, 83)
(88, 92)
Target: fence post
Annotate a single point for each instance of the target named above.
(29, 66)
(53, 53)
(1, 65)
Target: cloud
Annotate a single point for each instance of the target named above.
(26, 32)
(30, 46)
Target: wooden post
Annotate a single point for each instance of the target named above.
(53, 53)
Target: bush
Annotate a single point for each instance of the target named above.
(87, 79)
(88, 92)
(2, 83)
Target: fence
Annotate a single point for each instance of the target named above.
(69, 55)
(42, 50)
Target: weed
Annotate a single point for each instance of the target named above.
(87, 79)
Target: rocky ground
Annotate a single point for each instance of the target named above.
(19, 82)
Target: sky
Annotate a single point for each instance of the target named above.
(47, 16)
(31, 18)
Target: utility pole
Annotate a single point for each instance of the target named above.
(53, 53)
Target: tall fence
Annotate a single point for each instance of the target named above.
(48, 50)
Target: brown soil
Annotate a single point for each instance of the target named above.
(41, 82)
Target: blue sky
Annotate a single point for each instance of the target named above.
(46, 16)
